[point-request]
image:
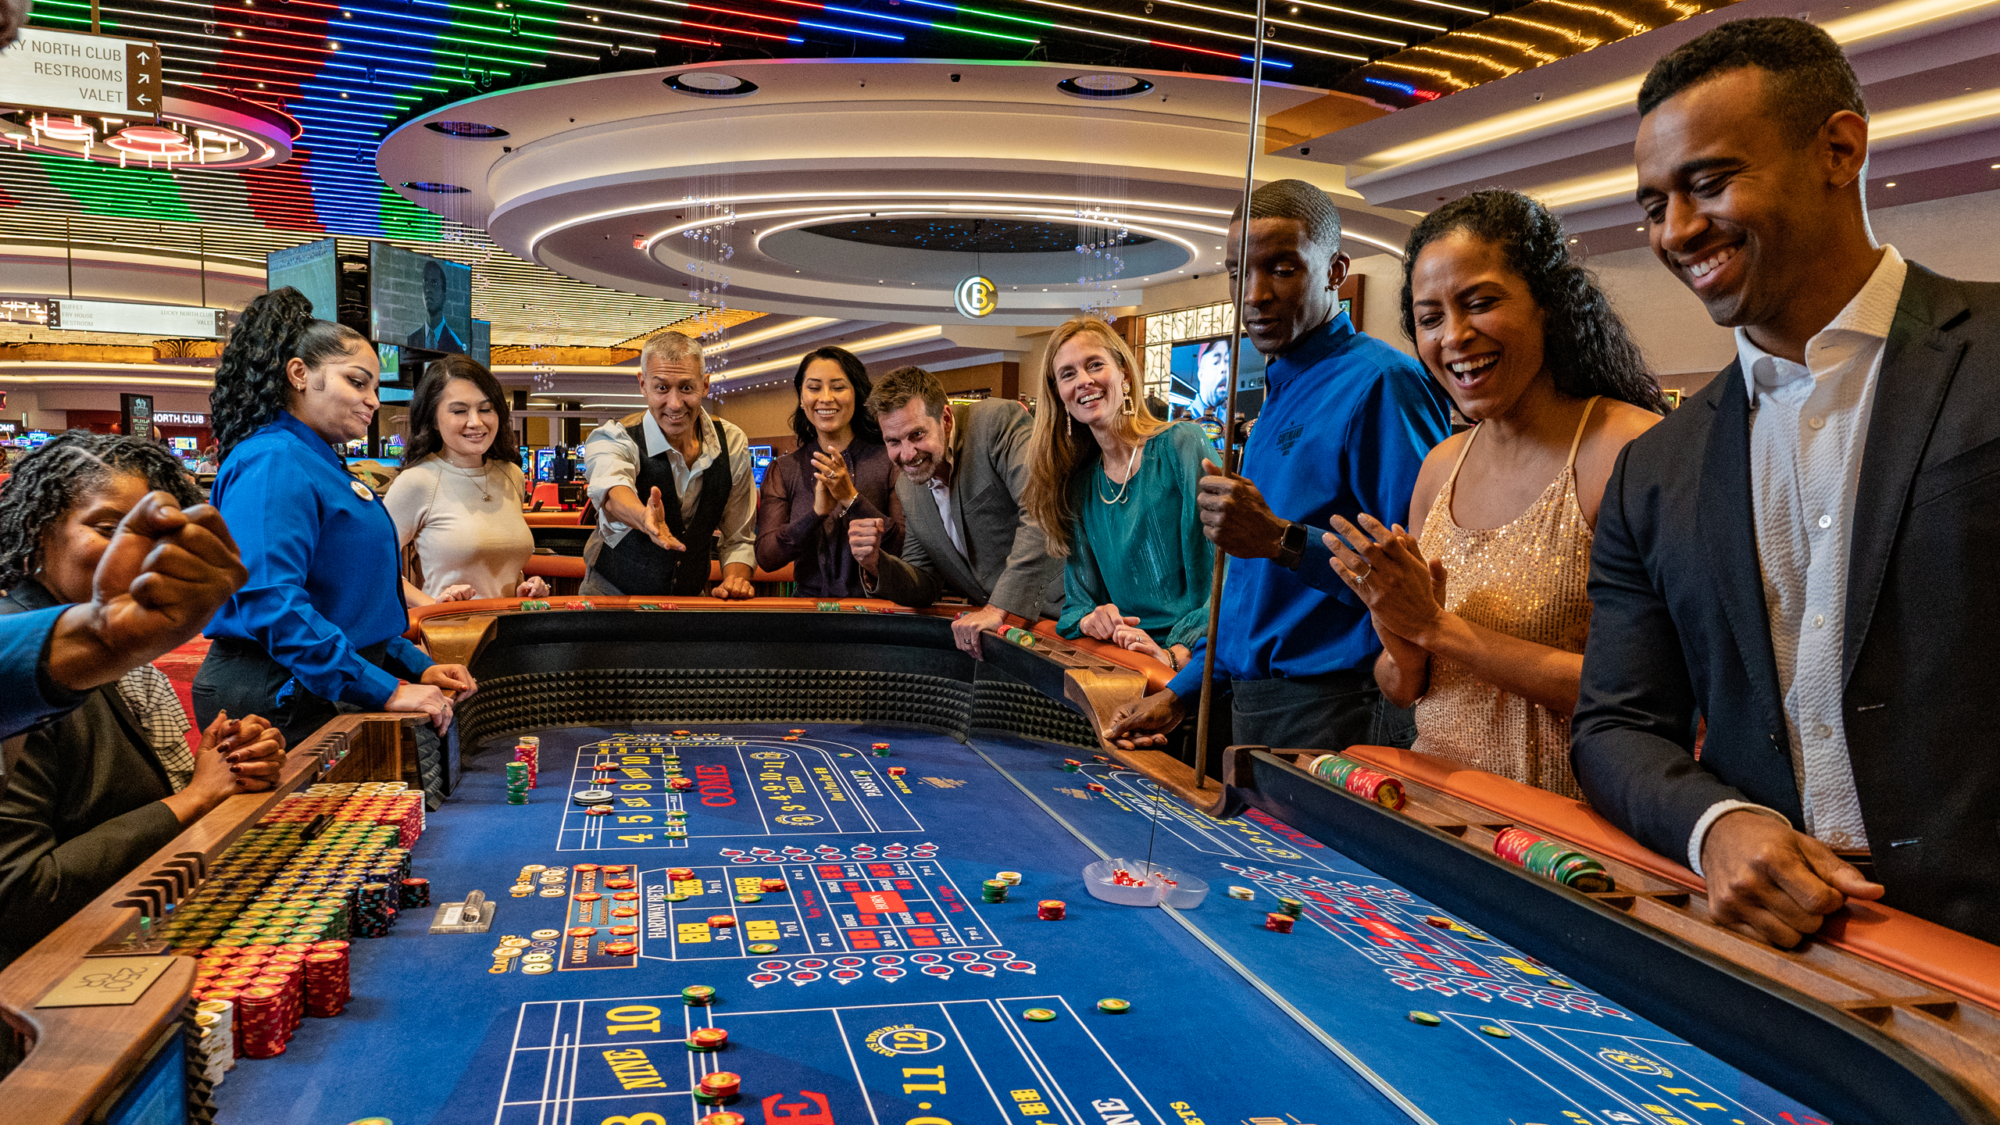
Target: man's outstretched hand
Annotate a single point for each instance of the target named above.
(1771, 882)
(1145, 722)
(163, 576)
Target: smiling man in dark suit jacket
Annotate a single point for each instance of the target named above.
(963, 469)
(1803, 554)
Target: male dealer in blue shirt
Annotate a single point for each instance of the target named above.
(1345, 425)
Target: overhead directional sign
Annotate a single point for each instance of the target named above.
(72, 72)
(145, 320)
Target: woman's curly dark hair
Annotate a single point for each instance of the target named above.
(866, 428)
(50, 481)
(250, 385)
(1584, 343)
(424, 436)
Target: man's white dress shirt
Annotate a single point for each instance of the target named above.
(1809, 424)
(611, 458)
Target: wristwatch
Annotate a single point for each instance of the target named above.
(1292, 546)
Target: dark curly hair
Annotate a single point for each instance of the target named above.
(1585, 345)
(250, 385)
(866, 428)
(424, 436)
(50, 481)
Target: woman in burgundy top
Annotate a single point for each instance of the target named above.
(840, 472)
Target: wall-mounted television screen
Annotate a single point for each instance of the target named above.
(1200, 386)
(420, 302)
(760, 462)
(312, 270)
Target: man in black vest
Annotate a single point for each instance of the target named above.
(693, 471)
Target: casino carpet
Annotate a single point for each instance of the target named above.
(894, 994)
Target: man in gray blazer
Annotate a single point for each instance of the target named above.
(965, 533)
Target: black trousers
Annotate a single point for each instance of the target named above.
(241, 678)
(1328, 713)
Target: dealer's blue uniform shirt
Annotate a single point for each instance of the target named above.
(1346, 423)
(29, 699)
(321, 551)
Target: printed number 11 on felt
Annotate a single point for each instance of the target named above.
(937, 1087)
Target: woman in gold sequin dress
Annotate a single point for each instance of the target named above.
(1481, 604)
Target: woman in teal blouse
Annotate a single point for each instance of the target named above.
(1113, 488)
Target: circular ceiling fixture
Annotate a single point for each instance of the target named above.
(709, 84)
(153, 142)
(435, 188)
(196, 126)
(1104, 86)
(471, 130)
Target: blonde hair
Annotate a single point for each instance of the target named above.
(670, 347)
(1063, 447)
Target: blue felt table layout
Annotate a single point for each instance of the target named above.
(895, 996)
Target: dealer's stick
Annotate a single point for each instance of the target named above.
(1229, 410)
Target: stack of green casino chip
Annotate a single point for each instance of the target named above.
(1552, 861)
(517, 783)
(993, 890)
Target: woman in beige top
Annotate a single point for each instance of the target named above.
(457, 501)
(1481, 604)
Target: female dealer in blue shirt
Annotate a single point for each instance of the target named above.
(318, 627)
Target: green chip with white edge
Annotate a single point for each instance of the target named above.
(1112, 1006)
(1039, 1015)
(1496, 1031)
(1425, 1018)
(763, 947)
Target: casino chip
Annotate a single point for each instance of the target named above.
(698, 995)
(1112, 1006)
(763, 947)
(1496, 1031)
(1425, 1018)
(535, 968)
(589, 797)
(621, 948)
(372, 1121)
(1039, 1015)
(597, 810)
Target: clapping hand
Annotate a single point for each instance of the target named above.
(532, 588)
(1386, 569)
(832, 486)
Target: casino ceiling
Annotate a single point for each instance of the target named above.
(608, 170)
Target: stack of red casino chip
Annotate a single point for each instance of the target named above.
(723, 1117)
(260, 1022)
(1051, 909)
(1280, 923)
(530, 756)
(291, 986)
(327, 988)
(721, 1084)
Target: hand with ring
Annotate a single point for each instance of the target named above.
(1386, 569)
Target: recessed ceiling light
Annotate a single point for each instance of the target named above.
(471, 130)
(1104, 86)
(1891, 183)
(709, 84)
